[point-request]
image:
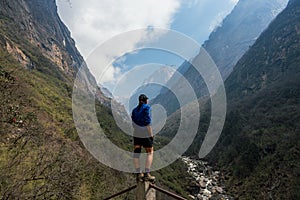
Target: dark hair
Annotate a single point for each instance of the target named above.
(143, 98)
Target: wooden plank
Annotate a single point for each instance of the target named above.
(144, 191)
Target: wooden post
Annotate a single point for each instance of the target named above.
(144, 191)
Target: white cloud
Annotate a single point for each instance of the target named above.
(217, 21)
(93, 22)
(191, 3)
(234, 1)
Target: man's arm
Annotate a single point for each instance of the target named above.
(149, 128)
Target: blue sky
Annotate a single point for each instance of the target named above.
(93, 22)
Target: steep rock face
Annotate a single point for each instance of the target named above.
(239, 30)
(259, 146)
(228, 43)
(271, 59)
(41, 155)
(37, 22)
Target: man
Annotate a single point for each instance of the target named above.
(143, 137)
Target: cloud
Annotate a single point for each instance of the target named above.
(92, 22)
(191, 3)
(217, 21)
(234, 1)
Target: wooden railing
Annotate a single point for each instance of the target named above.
(146, 191)
(120, 193)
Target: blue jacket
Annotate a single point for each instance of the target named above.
(141, 115)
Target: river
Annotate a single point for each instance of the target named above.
(205, 183)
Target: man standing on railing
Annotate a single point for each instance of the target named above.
(142, 137)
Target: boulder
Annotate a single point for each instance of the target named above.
(219, 190)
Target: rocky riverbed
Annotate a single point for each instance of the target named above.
(205, 183)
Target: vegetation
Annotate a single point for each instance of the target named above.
(41, 156)
(260, 140)
(259, 147)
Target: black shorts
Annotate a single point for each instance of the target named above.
(144, 142)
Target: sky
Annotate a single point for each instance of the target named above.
(94, 23)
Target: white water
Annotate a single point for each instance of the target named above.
(206, 181)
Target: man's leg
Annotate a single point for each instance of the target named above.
(149, 159)
(136, 161)
(136, 158)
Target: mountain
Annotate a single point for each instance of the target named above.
(36, 23)
(153, 84)
(41, 154)
(49, 34)
(106, 91)
(227, 43)
(259, 146)
(239, 30)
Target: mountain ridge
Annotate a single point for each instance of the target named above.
(59, 47)
(41, 154)
(259, 144)
(226, 45)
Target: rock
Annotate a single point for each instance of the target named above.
(206, 192)
(205, 198)
(202, 184)
(215, 178)
(209, 187)
(219, 190)
(202, 177)
(214, 183)
(208, 183)
(213, 190)
(199, 196)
